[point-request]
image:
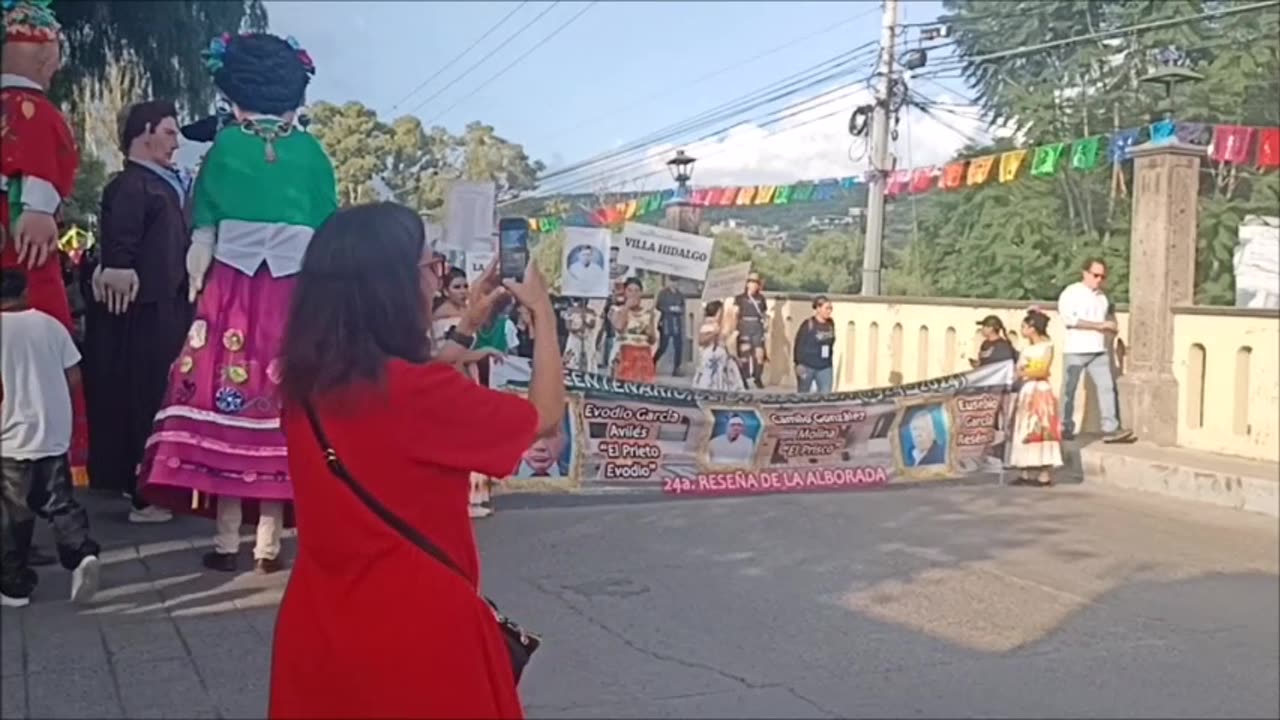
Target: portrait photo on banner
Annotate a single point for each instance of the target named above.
(551, 460)
(923, 438)
(735, 435)
(585, 262)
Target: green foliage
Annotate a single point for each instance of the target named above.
(81, 209)
(163, 40)
(548, 251)
(1024, 240)
(831, 262)
(414, 164)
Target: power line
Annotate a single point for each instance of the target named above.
(735, 65)
(780, 115)
(1103, 34)
(642, 150)
(538, 45)
(798, 82)
(460, 55)
(488, 55)
(721, 151)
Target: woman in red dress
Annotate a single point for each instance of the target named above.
(370, 625)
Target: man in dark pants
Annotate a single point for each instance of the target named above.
(140, 313)
(671, 305)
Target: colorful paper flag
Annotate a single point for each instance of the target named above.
(802, 192)
(631, 209)
(745, 195)
(1121, 142)
(782, 195)
(1163, 131)
(1085, 152)
(980, 170)
(922, 179)
(1269, 148)
(1231, 144)
(1046, 159)
(953, 175)
(1010, 163)
(764, 195)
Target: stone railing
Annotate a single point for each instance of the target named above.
(1226, 361)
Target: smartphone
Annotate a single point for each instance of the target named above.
(513, 248)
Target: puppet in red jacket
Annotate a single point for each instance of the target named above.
(38, 163)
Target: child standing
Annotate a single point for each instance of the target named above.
(38, 369)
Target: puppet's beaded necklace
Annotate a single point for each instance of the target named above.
(269, 132)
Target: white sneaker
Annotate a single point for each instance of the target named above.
(84, 579)
(478, 511)
(14, 602)
(150, 514)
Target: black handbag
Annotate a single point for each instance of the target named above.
(521, 645)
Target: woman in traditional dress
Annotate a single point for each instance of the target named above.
(637, 333)
(263, 187)
(1035, 443)
(579, 348)
(716, 369)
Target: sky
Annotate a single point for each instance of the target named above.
(620, 71)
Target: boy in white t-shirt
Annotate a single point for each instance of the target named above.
(38, 367)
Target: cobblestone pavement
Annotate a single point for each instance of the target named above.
(938, 601)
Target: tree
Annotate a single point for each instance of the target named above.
(1023, 240)
(358, 144)
(830, 263)
(413, 164)
(162, 40)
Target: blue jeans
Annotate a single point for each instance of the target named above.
(1098, 366)
(809, 380)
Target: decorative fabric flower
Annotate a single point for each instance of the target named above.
(229, 400)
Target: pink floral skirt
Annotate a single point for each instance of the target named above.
(218, 431)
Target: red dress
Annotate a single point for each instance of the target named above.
(370, 626)
(35, 142)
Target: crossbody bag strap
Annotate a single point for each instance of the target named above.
(407, 531)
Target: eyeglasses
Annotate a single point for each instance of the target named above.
(1100, 276)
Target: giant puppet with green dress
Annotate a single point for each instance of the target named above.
(264, 186)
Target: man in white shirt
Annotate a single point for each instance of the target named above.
(38, 368)
(733, 447)
(587, 272)
(1086, 313)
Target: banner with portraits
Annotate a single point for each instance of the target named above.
(697, 443)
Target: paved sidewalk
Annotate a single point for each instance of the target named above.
(933, 601)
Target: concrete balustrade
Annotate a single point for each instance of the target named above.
(1226, 360)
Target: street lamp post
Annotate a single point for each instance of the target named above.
(1173, 71)
(680, 211)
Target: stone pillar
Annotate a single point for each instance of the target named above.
(682, 216)
(1162, 271)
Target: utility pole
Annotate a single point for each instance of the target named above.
(880, 156)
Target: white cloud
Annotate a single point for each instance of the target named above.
(812, 143)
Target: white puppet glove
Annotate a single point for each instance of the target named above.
(199, 258)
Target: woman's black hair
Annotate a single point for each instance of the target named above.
(454, 273)
(358, 302)
(713, 308)
(634, 282)
(1038, 322)
(263, 73)
(13, 284)
(820, 301)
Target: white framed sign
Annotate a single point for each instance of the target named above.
(646, 247)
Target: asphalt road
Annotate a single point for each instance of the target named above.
(936, 601)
